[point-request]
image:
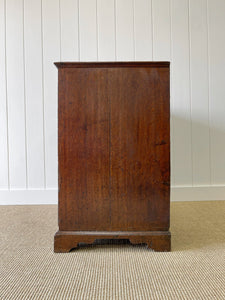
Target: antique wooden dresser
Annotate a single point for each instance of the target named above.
(113, 153)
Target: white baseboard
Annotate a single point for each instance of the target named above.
(198, 193)
(50, 196)
(28, 197)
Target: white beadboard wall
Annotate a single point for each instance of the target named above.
(35, 33)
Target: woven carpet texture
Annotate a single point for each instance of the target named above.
(195, 269)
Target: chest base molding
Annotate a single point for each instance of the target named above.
(65, 241)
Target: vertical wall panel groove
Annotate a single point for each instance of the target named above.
(6, 94)
(142, 30)
(181, 94)
(172, 155)
(78, 27)
(152, 29)
(115, 21)
(106, 30)
(216, 12)
(33, 96)
(15, 90)
(133, 9)
(51, 53)
(43, 103)
(4, 159)
(199, 92)
(125, 36)
(88, 30)
(60, 32)
(209, 99)
(161, 29)
(69, 36)
(190, 93)
(97, 41)
(25, 100)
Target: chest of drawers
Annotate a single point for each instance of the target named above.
(113, 153)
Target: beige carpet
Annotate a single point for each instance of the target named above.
(195, 269)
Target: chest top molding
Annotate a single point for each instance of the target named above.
(156, 64)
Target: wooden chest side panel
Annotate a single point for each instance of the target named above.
(140, 148)
(83, 139)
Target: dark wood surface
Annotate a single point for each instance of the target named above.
(83, 137)
(125, 64)
(68, 240)
(114, 153)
